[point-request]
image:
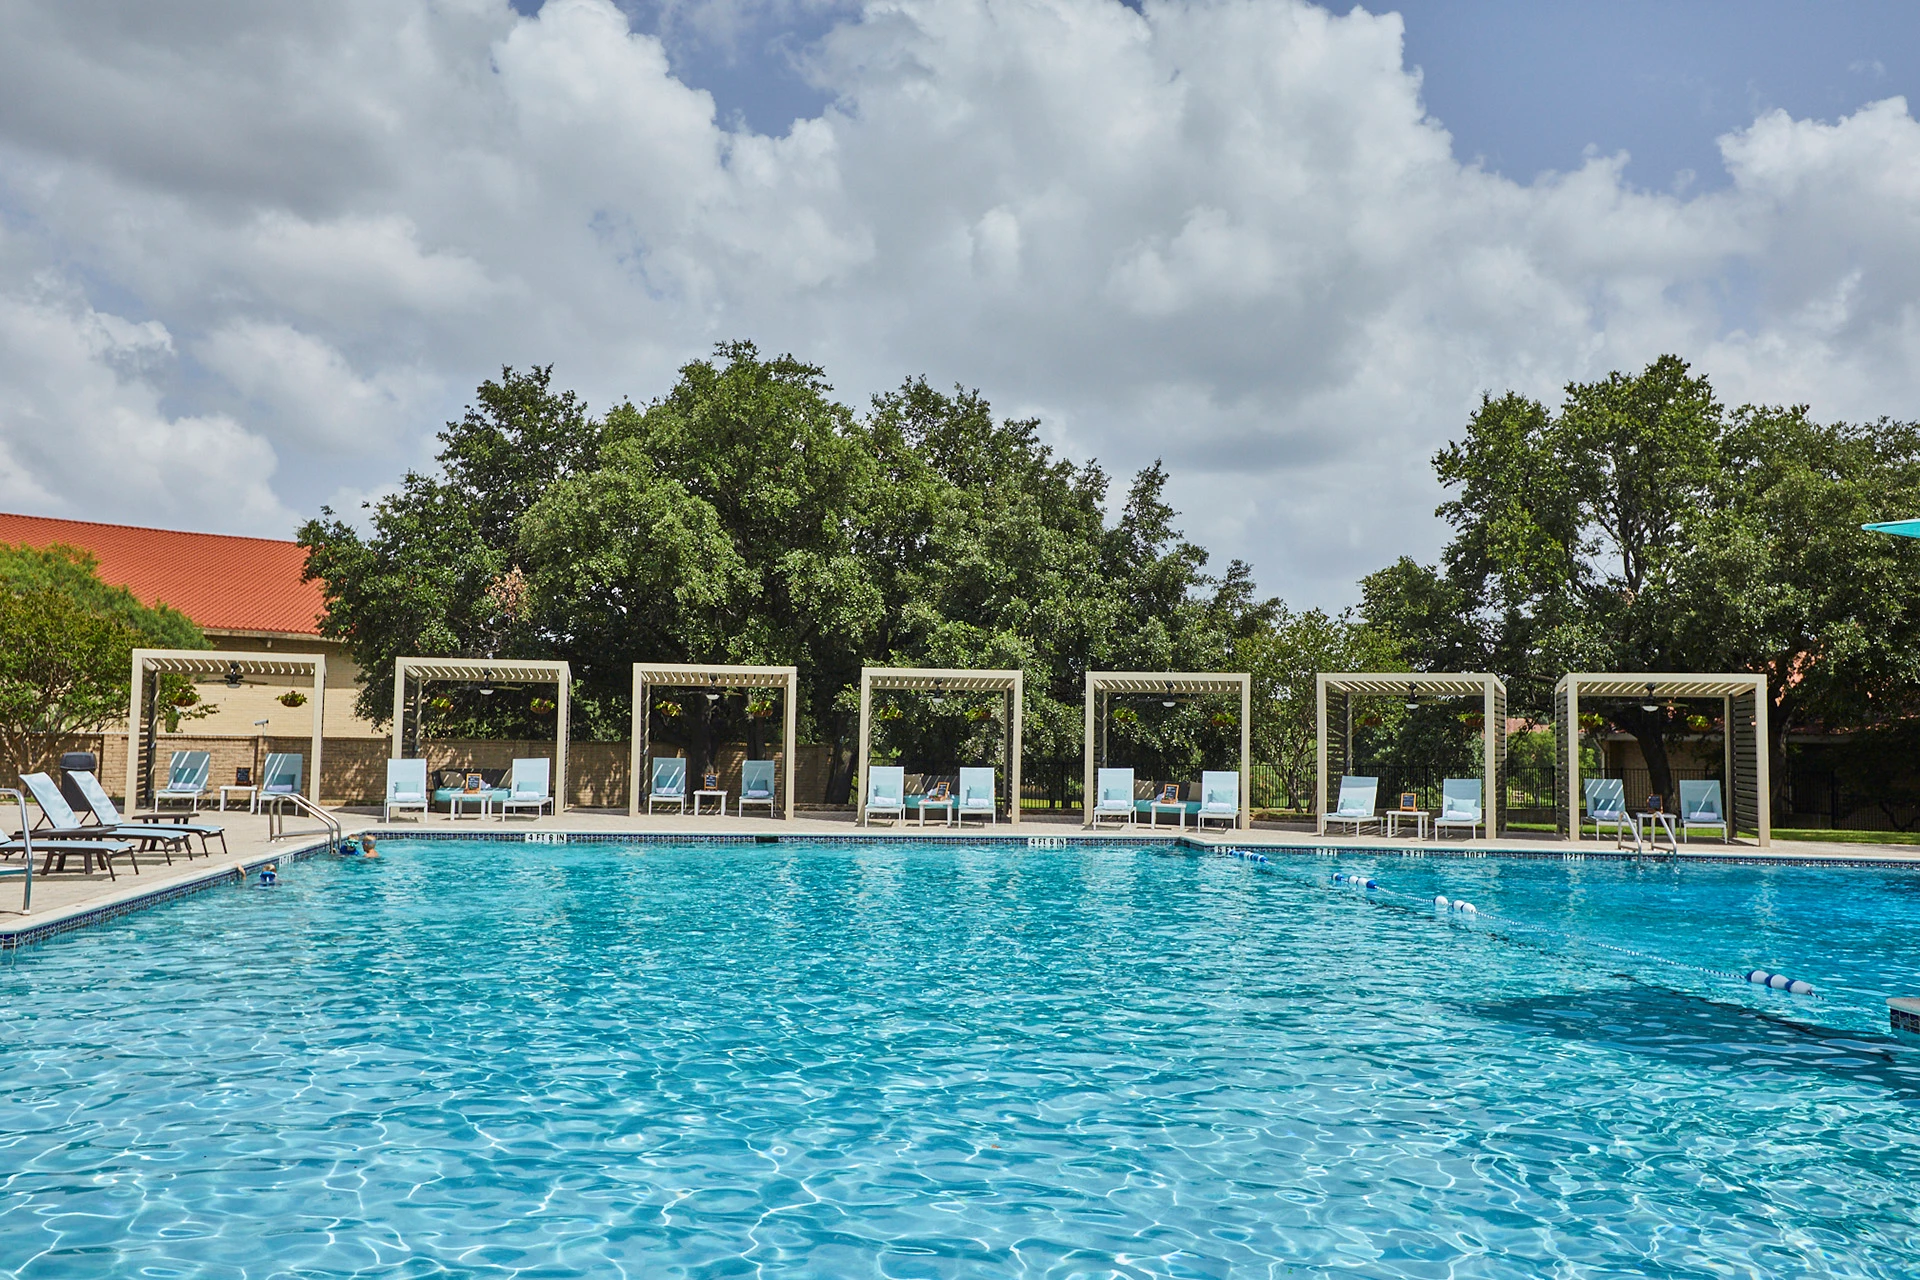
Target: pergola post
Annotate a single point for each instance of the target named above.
(425, 671)
(217, 662)
(948, 680)
(1103, 684)
(707, 676)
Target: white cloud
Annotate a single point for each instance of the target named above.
(1222, 231)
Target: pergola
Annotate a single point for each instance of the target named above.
(712, 678)
(235, 668)
(1743, 701)
(486, 671)
(936, 680)
(1333, 697)
(1102, 685)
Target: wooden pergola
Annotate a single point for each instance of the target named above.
(1102, 685)
(1333, 695)
(937, 680)
(235, 668)
(1743, 707)
(712, 678)
(486, 672)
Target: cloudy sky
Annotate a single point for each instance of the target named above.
(251, 256)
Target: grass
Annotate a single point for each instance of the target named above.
(1846, 837)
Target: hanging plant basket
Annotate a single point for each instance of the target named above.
(292, 698)
(187, 697)
(1125, 715)
(1474, 721)
(440, 703)
(671, 710)
(1221, 720)
(542, 706)
(980, 715)
(760, 708)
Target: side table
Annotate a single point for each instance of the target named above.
(1157, 807)
(720, 797)
(252, 789)
(482, 800)
(1419, 818)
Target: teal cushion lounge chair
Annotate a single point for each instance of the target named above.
(187, 773)
(886, 793)
(1219, 798)
(1460, 807)
(1355, 805)
(974, 797)
(1700, 807)
(1113, 796)
(669, 783)
(406, 788)
(757, 785)
(529, 787)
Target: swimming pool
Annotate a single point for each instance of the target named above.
(495, 1059)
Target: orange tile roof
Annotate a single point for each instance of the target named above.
(221, 582)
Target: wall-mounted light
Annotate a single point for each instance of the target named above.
(486, 683)
(234, 678)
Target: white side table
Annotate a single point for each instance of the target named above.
(1419, 818)
(945, 806)
(719, 797)
(251, 789)
(1158, 807)
(481, 800)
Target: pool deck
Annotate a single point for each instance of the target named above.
(64, 900)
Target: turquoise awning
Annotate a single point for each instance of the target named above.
(1905, 528)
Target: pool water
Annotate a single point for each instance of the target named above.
(840, 1060)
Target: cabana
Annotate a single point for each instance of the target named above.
(1333, 695)
(234, 669)
(711, 678)
(1743, 705)
(413, 675)
(1103, 685)
(938, 682)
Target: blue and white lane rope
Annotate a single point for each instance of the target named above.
(1454, 906)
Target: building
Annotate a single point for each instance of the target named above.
(245, 593)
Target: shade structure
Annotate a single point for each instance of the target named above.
(947, 680)
(710, 676)
(214, 662)
(1333, 697)
(1102, 685)
(424, 671)
(1903, 528)
(1743, 700)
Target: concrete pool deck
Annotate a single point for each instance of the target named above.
(70, 899)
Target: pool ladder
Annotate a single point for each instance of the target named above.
(26, 844)
(277, 819)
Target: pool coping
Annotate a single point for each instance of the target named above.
(235, 870)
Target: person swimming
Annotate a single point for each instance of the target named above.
(366, 847)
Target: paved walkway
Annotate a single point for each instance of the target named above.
(61, 896)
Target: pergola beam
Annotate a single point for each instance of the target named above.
(947, 680)
(693, 675)
(1161, 683)
(217, 662)
(1490, 689)
(1731, 688)
(555, 672)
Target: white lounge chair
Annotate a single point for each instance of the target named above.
(1113, 796)
(406, 788)
(65, 824)
(886, 793)
(669, 783)
(1355, 807)
(530, 786)
(1460, 807)
(1700, 807)
(1607, 806)
(757, 785)
(1219, 798)
(975, 796)
(102, 808)
(279, 776)
(187, 773)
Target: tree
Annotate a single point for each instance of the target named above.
(1285, 658)
(66, 649)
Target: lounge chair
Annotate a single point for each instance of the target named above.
(669, 783)
(756, 785)
(1113, 796)
(406, 788)
(1700, 807)
(187, 773)
(49, 849)
(64, 824)
(974, 796)
(279, 776)
(103, 812)
(1460, 807)
(1355, 806)
(1607, 806)
(1219, 798)
(530, 787)
(886, 793)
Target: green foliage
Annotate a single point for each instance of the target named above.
(1284, 656)
(66, 650)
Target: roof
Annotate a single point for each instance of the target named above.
(222, 582)
(1397, 684)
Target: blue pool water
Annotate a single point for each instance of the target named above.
(837, 1060)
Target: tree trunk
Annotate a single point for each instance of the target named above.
(1649, 730)
(700, 749)
(839, 779)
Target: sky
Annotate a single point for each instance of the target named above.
(253, 256)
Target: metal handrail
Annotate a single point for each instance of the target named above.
(26, 844)
(277, 818)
